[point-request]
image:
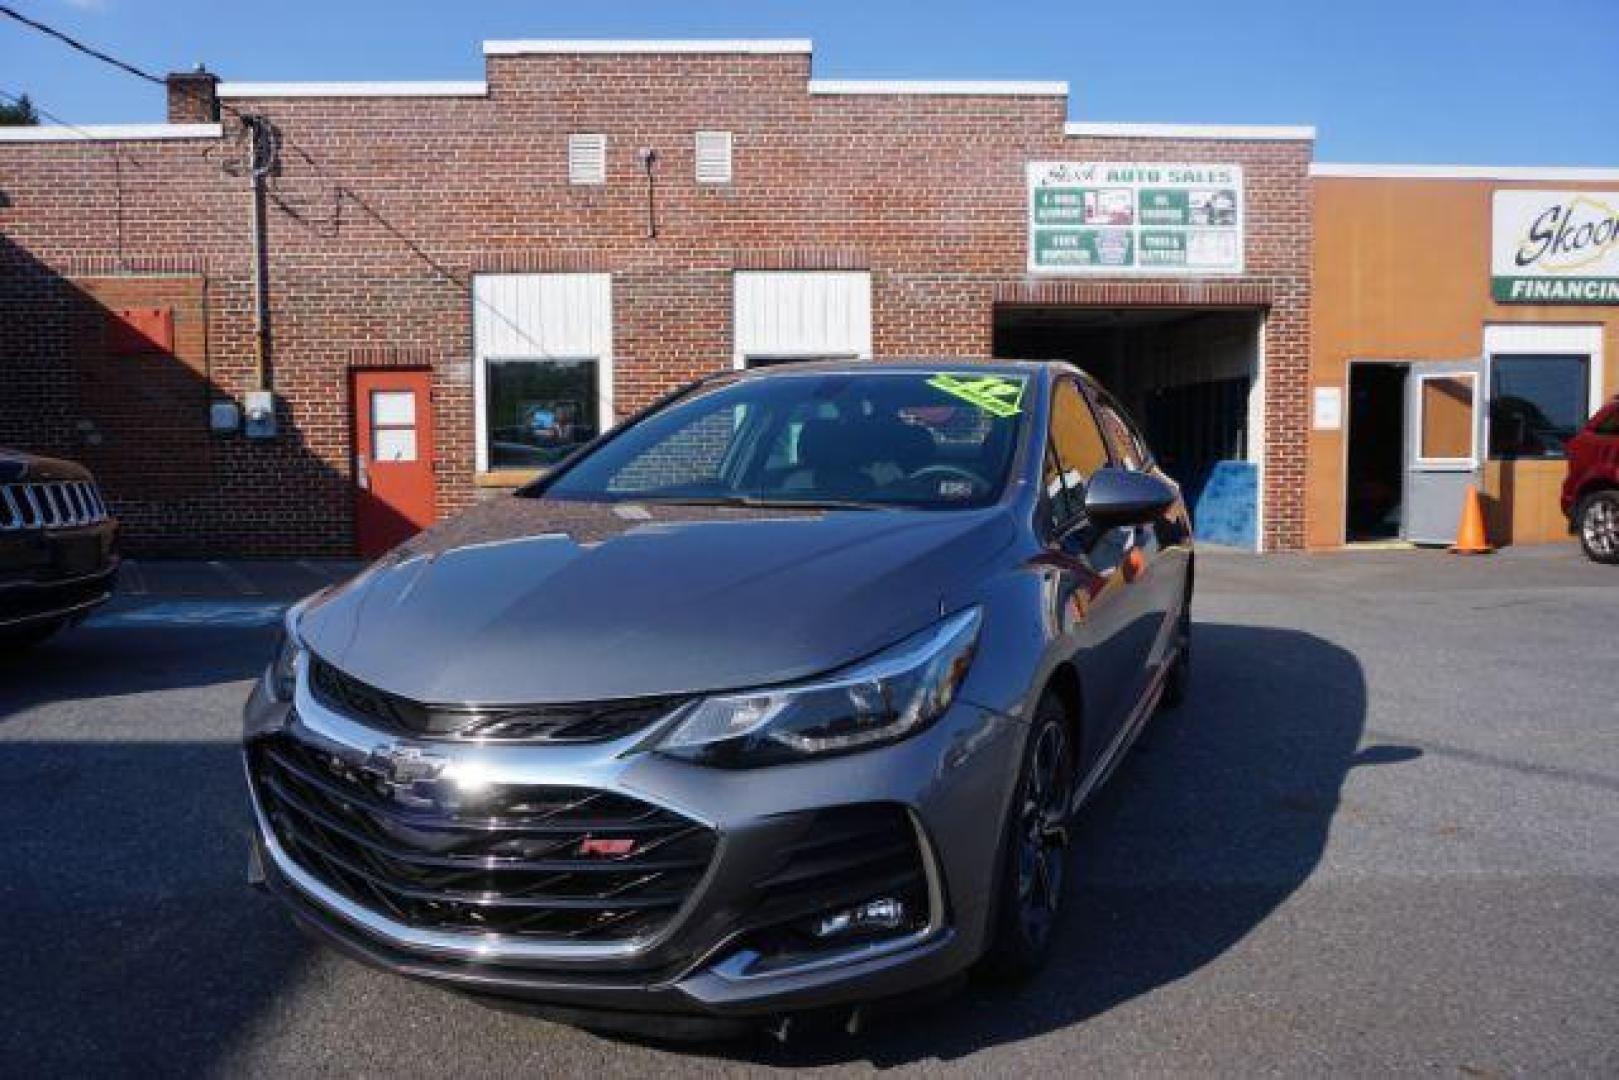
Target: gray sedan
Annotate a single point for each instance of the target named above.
(779, 697)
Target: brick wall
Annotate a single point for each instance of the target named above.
(384, 208)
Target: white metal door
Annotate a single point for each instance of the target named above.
(801, 315)
(1444, 445)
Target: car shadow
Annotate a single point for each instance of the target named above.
(1219, 815)
(91, 662)
(129, 940)
(124, 907)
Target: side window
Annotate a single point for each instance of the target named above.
(1121, 433)
(1075, 451)
(1608, 425)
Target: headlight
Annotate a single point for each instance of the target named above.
(281, 677)
(892, 695)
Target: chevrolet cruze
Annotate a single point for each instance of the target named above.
(780, 697)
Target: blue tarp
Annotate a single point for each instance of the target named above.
(1227, 509)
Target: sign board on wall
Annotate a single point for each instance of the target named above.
(1555, 247)
(1107, 217)
(1328, 414)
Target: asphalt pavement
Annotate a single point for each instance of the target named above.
(1381, 837)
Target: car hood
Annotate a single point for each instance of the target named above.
(537, 601)
(16, 466)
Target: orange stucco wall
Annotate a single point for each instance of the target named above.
(1402, 272)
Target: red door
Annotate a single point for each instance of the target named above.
(393, 458)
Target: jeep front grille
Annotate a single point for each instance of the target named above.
(540, 862)
(58, 504)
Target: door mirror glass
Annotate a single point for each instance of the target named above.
(1118, 497)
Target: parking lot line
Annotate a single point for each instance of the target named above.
(193, 613)
(131, 579)
(235, 578)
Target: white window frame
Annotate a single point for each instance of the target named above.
(1448, 464)
(537, 345)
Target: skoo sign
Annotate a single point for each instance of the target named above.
(1555, 247)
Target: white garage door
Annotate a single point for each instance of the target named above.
(784, 315)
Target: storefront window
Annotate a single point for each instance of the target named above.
(1537, 403)
(539, 411)
(1447, 418)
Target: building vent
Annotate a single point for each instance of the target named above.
(587, 159)
(713, 157)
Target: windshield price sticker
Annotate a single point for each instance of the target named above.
(995, 394)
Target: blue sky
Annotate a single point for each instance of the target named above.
(1498, 82)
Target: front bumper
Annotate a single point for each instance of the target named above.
(58, 574)
(952, 782)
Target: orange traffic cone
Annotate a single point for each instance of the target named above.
(1470, 539)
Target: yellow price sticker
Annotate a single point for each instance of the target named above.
(995, 394)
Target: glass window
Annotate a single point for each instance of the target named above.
(539, 411)
(1447, 418)
(1122, 435)
(393, 408)
(1537, 403)
(931, 440)
(1609, 424)
(690, 457)
(394, 444)
(1079, 448)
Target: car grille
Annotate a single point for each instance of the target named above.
(591, 721)
(553, 863)
(54, 505)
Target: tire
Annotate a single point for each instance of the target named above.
(1179, 678)
(1033, 873)
(1596, 520)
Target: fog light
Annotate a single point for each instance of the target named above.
(886, 913)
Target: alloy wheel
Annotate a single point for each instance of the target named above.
(1599, 527)
(1043, 834)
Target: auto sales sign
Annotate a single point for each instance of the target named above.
(1555, 247)
(1120, 217)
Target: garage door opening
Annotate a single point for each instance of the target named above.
(1191, 378)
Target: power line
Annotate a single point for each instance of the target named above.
(258, 123)
(74, 43)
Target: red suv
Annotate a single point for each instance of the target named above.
(1591, 489)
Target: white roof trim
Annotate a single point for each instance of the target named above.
(107, 132)
(758, 46)
(1235, 132)
(352, 89)
(1463, 172)
(983, 87)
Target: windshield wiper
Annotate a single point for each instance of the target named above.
(758, 503)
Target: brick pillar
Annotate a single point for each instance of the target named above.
(193, 97)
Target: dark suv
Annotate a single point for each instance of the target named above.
(58, 555)
(1591, 489)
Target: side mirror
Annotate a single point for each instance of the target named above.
(1116, 497)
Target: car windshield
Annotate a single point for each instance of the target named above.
(928, 440)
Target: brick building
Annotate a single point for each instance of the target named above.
(461, 279)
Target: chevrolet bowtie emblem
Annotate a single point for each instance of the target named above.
(404, 765)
